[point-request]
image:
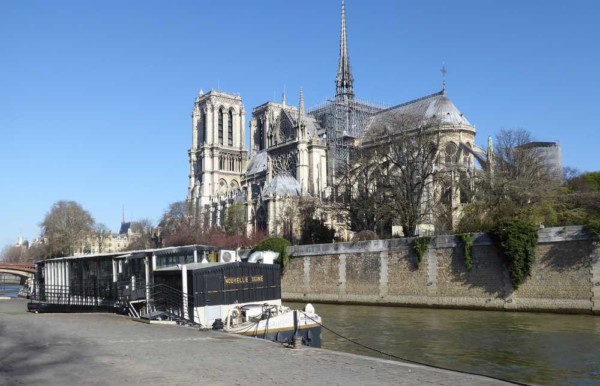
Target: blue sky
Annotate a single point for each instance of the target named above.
(96, 96)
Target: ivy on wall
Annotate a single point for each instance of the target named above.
(593, 227)
(517, 240)
(420, 246)
(467, 240)
(276, 244)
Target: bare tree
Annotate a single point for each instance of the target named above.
(514, 159)
(363, 194)
(37, 252)
(66, 226)
(101, 233)
(144, 235)
(143, 225)
(175, 216)
(179, 226)
(392, 175)
(13, 254)
(521, 186)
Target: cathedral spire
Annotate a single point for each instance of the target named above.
(301, 122)
(343, 80)
(301, 107)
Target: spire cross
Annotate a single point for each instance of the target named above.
(444, 71)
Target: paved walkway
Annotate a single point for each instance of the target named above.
(106, 349)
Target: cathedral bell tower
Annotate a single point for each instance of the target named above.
(218, 155)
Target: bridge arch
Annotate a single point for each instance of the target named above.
(17, 272)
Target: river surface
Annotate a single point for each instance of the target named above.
(9, 290)
(548, 349)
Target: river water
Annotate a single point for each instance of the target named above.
(9, 290)
(547, 349)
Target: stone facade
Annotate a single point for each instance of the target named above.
(564, 278)
(218, 156)
(295, 154)
(108, 242)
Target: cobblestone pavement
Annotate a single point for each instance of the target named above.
(107, 349)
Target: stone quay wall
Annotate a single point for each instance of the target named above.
(565, 277)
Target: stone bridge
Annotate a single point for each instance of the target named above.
(24, 270)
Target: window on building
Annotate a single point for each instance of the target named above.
(203, 126)
(230, 128)
(451, 153)
(261, 135)
(220, 126)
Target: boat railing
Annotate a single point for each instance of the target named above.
(120, 296)
(171, 301)
(76, 295)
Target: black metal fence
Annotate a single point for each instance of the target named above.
(78, 295)
(173, 302)
(116, 297)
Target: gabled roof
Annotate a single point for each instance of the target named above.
(258, 163)
(124, 227)
(311, 123)
(283, 185)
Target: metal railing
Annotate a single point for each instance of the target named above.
(173, 302)
(121, 298)
(78, 295)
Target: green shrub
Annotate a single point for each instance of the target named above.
(420, 246)
(593, 227)
(517, 240)
(275, 244)
(315, 231)
(467, 239)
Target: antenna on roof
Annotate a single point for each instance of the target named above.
(444, 71)
(123, 215)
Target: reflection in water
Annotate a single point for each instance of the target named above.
(525, 347)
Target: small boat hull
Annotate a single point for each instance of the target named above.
(283, 328)
(310, 336)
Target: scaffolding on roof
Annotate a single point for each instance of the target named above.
(343, 122)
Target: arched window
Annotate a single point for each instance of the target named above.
(220, 126)
(203, 126)
(451, 150)
(230, 128)
(261, 135)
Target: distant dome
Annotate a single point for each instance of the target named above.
(443, 109)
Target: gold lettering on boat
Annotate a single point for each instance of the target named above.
(244, 279)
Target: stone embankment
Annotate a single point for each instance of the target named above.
(106, 349)
(565, 276)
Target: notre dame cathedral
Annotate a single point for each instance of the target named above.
(296, 153)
